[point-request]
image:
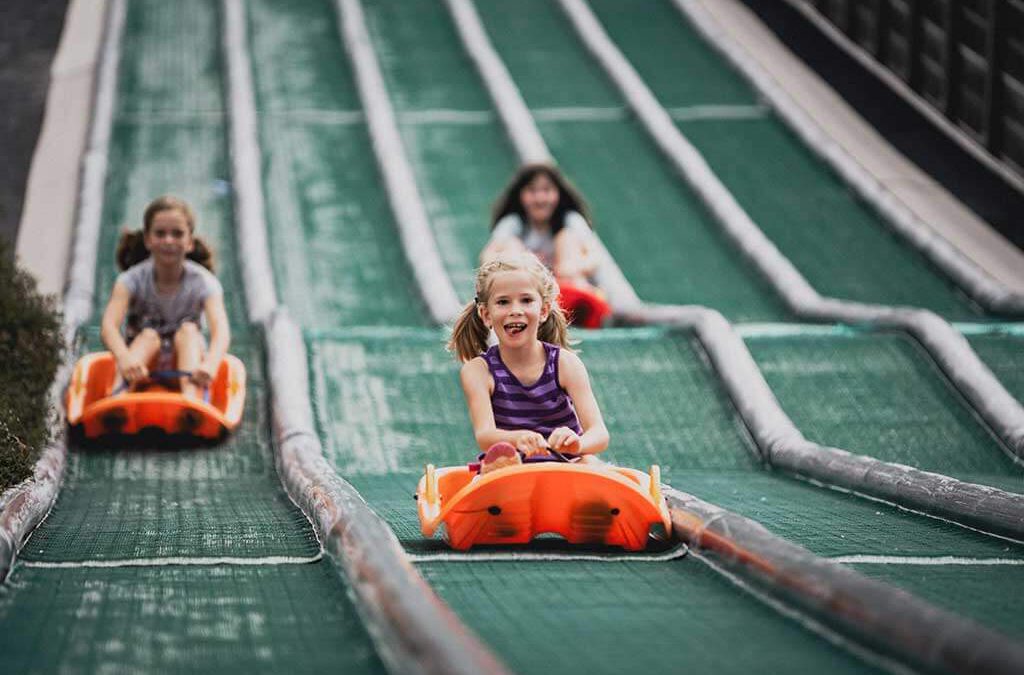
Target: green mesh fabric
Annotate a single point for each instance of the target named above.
(835, 240)
(678, 66)
(157, 518)
(461, 161)
(1004, 355)
(336, 258)
(584, 617)
(986, 594)
(285, 618)
(169, 136)
(880, 395)
(389, 403)
(669, 247)
(837, 243)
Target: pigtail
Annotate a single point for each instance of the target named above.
(555, 329)
(203, 254)
(131, 249)
(469, 334)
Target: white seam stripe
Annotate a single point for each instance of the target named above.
(515, 556)
(923, 560)
(176, 561)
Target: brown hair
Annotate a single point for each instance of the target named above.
(569, 198)
(469, 334)
(131, 247)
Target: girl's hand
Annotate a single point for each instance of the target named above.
(564, 439)
(530, 443)
(132, 368)
(202, 376)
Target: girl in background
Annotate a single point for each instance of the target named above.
(539, 211)
(167, 285)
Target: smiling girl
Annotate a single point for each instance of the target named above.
(541, 212)
(167, 286)
(529, 392)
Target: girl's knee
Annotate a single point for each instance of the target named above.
(186, 333)
(147, 338)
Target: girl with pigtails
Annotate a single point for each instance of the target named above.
(529, 393)
(165, 289)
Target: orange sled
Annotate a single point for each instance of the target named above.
(583, 503)
(95, 411)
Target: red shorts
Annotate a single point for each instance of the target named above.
(586, 307)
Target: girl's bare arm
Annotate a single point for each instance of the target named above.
(573, 377)
(113, 317)
(220, 332)
(573, 258)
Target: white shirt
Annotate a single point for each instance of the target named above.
(540, 242)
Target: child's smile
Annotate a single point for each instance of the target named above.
(514, 308)
(169, 239)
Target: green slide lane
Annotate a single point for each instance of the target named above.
(881, 395)
(839, 244)
(1004, 354)
(336, 259)
(667, 244)
(389, 403)
(62, 610)
(224, 619)
(453, 138)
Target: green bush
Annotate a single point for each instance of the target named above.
(31, 348)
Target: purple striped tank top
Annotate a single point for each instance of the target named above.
(542, 407)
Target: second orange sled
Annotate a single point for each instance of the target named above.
(94, 410)
(583, 503)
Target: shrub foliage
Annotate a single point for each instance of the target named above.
(31, 348)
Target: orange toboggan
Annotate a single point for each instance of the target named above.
(583, 503)
(94, 410)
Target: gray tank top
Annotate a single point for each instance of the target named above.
(165, 313)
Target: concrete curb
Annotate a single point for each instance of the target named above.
(47, 220)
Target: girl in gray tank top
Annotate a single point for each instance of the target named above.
(529, 393)
(163, 295)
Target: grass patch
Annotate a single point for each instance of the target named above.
(31, 348)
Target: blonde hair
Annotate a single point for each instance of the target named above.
(131, 247)
(469, 334)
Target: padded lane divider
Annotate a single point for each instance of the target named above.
(886, 617)
(414, 631)
(406, 202)
(948, 348)
(983, 288)
(779, 441)
(783, 447)
(529, 144)
(25, 505)
(247, 166)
